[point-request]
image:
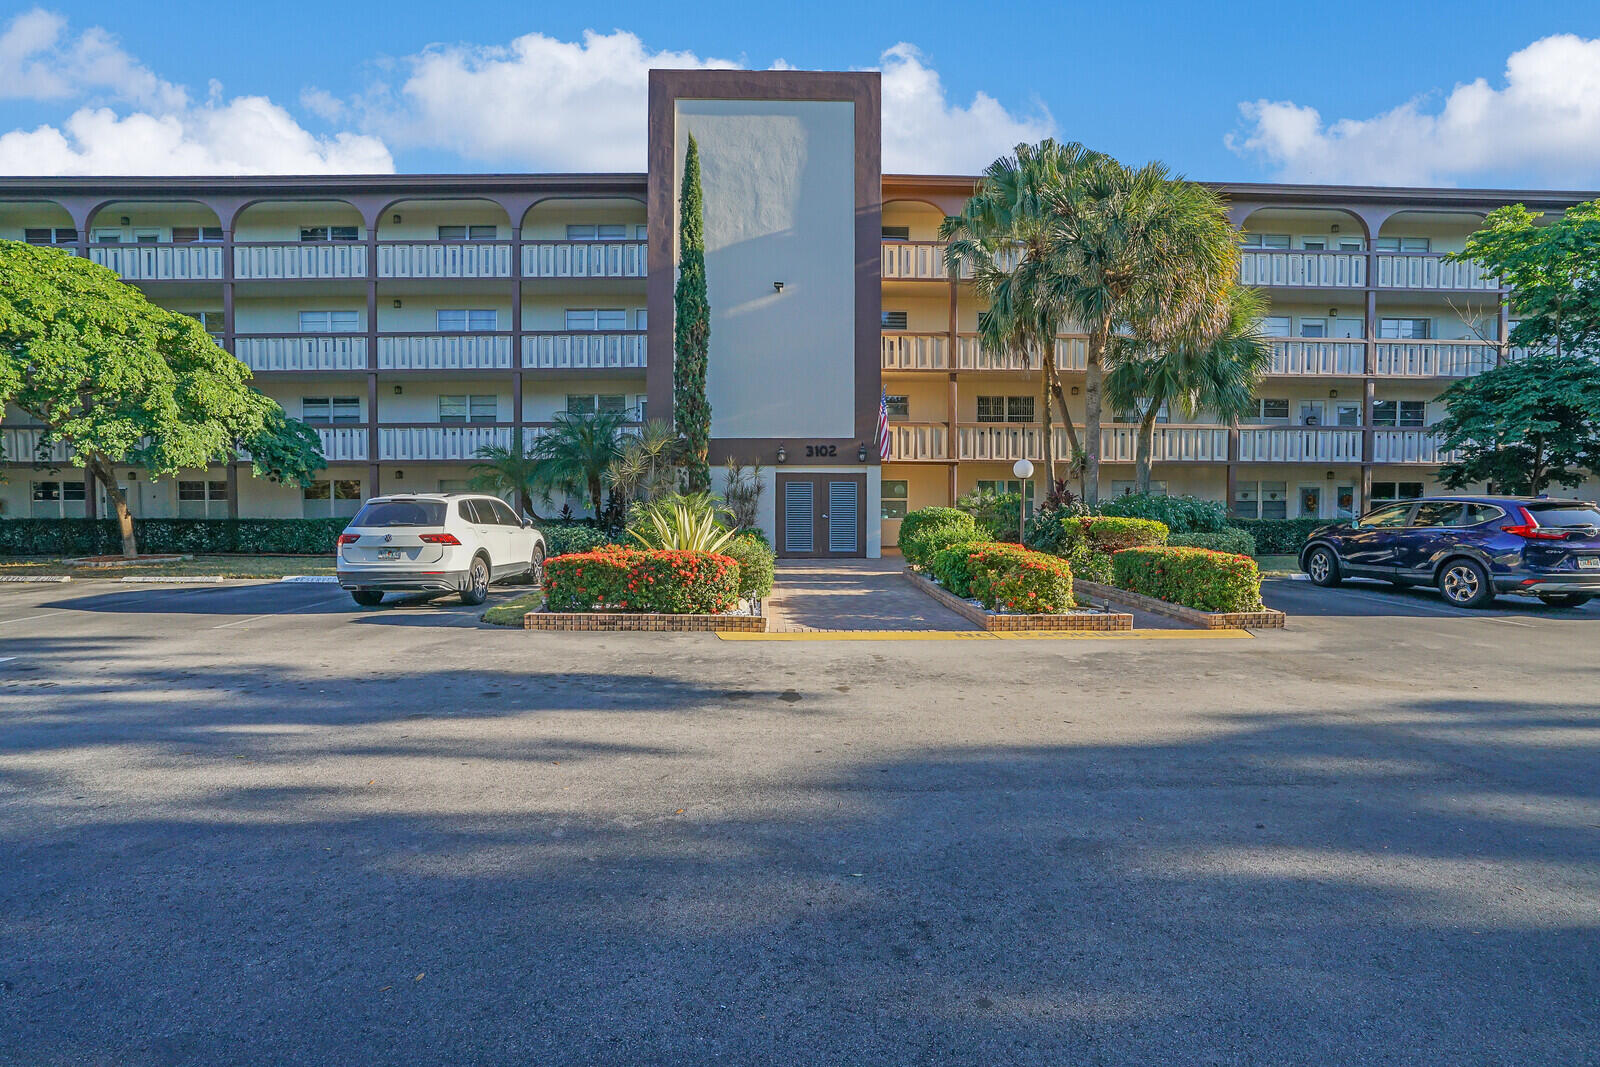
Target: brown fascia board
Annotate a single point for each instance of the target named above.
(631, 184)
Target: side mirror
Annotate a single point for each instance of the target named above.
(527, 523)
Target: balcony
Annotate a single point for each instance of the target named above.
(1119, 443)
(161, 262)
(1303, 269)
(915, 351)
(583, 259)
(1007, 442)
(1407, 446)
(444, 351)
(435, 442)
(22, 446)
(1299, 444)
(1430, 270)
(915, 261)
(1434, 359)
(584, 350)
(444, 259)
(343, 444)
(299, 260)
(911, 442)
(1319, 358)
(1071, 355)
(302, 352)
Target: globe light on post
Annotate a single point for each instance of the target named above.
(1023, 470)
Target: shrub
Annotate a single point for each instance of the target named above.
(929, 534)
(95, 537)
(953, 567)
(684, 523)
(997, 514)
(1278, 537)
(1108, 533)
(1060, 535)
(1230, 539)
(756, 562)
(1011, 578)
(1180, 514)
(1194, 577)
(565, 538)
(628, 579)
(1089, 565)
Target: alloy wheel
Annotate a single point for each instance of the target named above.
(1461, 583)
(1318, 566)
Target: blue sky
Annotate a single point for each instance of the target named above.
(1365, 92)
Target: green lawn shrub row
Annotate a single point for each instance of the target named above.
(1231, 539)
(1005, 577)
(1180, 514)
(757, 563)
(1194, 577)
(1278, 537)
(99, 537)
(923, 533)
(631, 579)
(565, 538)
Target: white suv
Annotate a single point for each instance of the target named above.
(451, 542)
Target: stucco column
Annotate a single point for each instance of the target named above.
(91, 490)
(953, 397)
(516, 327)
(372, 353)
(233, 489)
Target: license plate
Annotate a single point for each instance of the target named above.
(388, 553)
(1589, 563)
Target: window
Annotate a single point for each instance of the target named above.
(502, 512)
(146, 237)
(894, 320)
(1405, 329)
(1261, 500)
(1404, 413)
(1439, 513)
(50, 236)
(1311, 413)
(1481, 513)
(1347, 414)
(1019, 409)
(401, 513)
(899, 406)
(589, 403)
(325, 410)
(1314, 244)
(584, 319)
(605, 231)
(1352, 244)
(1344, 502)
(330, 322)
(1388, 492)
(190, 235)
(897, 233)
(1349, 327)
(894, 495)
(1313, 327)
(465, 320)
(211, 320)
(107, 237)
(1275, 326)
(56, 500)
(202, 500)
(468, 233)
(1402, 244)
(1271, 409)
(330, 233)
(46, 492)
(1386, 518)
(1005, 409)
(470, 408)
(330, 498)
(1266, 240)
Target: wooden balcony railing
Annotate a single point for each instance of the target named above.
(583, 350)
(911, 442)
(343, 444)
(583, 259)
(444, 259)
(1303, 269)
(1299, 444)
(1430, 270)
(417, 442)
(1319, 357)
(444, 351)
(298, 260)
(1119, 443)
(1407, 446)
(161, 262)
(905, 350)
(1433, 359)
(302, 352)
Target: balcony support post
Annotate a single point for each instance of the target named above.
(91, 493)
(233, 487)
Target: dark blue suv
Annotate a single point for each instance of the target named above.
(1470, 547)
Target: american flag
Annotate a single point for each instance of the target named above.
(883, 427)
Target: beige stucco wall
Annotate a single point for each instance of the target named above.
(779, 185)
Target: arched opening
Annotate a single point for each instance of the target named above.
(445, 220)
(137, 222)
(38, 222)
(1427, 232)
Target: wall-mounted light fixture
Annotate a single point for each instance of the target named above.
(1074, 390)
(1329, 476)
(1334, 228)
(399, 475)
(397, 390)
(126, 221)
(397, 303)
(1333, 394)
(1332, 312)
(396, 218)
(777, 287)
(861, 453)
(783, 454)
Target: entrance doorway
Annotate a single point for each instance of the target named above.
(1310, 501)
(822, 515)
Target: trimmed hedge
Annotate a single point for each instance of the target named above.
(630, 579)
(756, 563)
(1109, 533)
(1194, 577)
(1006, 577)
(930, 533)
(936, 516)
(565, 538)
(1180, 514)
(99, 537)
(1278, 537)
(953, 567)
(1232, 539)
(1090, 565)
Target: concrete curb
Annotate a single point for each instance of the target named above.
(174, 579)
(52, 578)
(321, 579)
(1265, 619)
(994, 622)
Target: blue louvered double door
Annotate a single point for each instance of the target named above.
(822, 515)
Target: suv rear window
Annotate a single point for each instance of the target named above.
(1565, 513)
(401, 513)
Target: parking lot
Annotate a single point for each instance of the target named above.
(248, 822)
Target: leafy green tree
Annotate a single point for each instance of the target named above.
(123, 382)
(513, 470)
(1552, 269)
(1215, 370)
(692, 329)
(574, 454)
(1523, 426)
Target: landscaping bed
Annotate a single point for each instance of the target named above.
(1264, 619)
(1009, 622)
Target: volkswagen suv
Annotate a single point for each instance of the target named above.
(1470, 547)
(436, 542)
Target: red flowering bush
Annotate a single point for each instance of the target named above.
(630, 579)
(1194, 577)
(1006, 577)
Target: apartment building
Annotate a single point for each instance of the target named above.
(413, 319)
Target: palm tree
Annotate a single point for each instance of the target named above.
(1003, 236)
(573, 455)
(1133, 252)
(513, 470)
(1215, 371)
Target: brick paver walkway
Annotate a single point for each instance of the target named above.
(852, 594)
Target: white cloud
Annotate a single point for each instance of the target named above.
(1544, 121)
(924, 134)
(39, 60)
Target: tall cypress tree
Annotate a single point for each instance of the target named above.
(691, 410)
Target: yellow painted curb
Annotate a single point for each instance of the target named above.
(980, 635)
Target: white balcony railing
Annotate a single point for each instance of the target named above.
(911, 442)
(1310, 270)
(583, 350)
(414, 443)
(1299, 444)
(449, 351)
(1119, 443)
(293, 260)
(1430, 270)
(22, 446)
(1407, 446)
(1316, 357)
(343, 444)
(915, 351)
(583, 259)
(999, 442)
(302, 352)
(444, 259)
(915, 261)
(161, 262)
(1433, 359)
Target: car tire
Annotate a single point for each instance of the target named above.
(1465, 584)
(1567, 600)
(477, 590)
(367, 598)
(1322, 567)
(536, 567)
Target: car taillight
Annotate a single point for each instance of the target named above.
(1532, 531)
(438, 539)
(348, 539)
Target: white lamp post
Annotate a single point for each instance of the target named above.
(1023, 470)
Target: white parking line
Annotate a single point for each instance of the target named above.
(281, 611)
(31, 618)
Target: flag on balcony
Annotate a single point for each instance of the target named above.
(883, 427)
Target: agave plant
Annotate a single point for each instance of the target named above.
(686, 524)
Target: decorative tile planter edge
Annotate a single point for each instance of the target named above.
(639, 621)
(1265, 619)
(996, 623)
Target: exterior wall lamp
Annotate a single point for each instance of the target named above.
(777, 287)
(783, 454)
(861, 453)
